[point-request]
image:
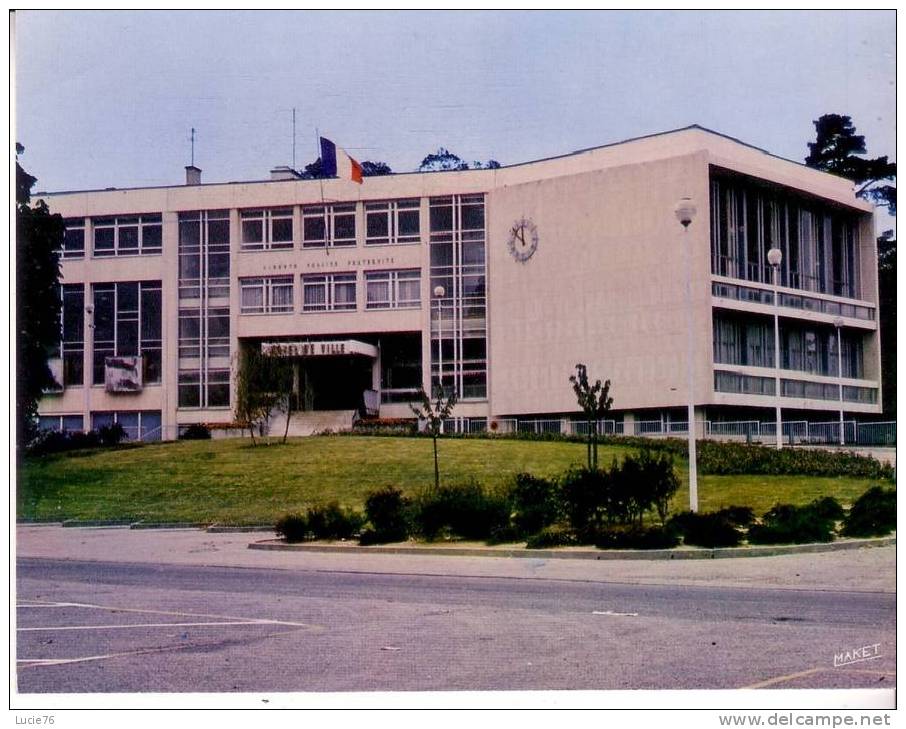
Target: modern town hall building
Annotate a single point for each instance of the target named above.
(495, 282)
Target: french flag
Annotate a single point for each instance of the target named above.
(336, 163)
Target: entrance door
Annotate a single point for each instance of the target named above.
(333, 383)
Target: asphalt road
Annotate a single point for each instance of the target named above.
(105, 626)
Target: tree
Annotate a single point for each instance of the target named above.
(314, 170)
(434, 414)
(263, 384)
(444, 160)
(887, 319)
(595, 401)
(835, 150)
(375, 169)
(39, 239)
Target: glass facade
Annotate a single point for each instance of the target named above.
(204, 309)
(820, 243)
(127, 323)
(459, 317)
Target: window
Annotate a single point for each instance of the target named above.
(127, 323)
(332, 292)
(72, 340)
(819, 244)
(270, 295)
(392, 222)
(266, 229)
(62, 423)
(74, 238)
(393, 289)
(328, 225)
(127, 235)
(204, 254)
(136, 424)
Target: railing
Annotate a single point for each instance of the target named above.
(795, 432)
(757, 295)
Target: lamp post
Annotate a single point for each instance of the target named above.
(439, 293)
(775, 258)
(685, 214)
(87, 372)
(838, 325)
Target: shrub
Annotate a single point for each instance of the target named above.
(196, 431)
(552, 536)
(714, 529)
(788, 524)
(111, 435)
(583, 494)
(535, 503)
(333, 522)
(740, 516)
(657, 484)
(292, 527)
(828, 507)
(730, 458)
(873, 514)
(464, 510)
(387, 510)
(657, 537)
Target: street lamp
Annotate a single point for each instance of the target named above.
(685, 214)
(87, 372)
(838, 324)
(775, 258)
(439, 293)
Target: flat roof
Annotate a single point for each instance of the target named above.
(696, 127)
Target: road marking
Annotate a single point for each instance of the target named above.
(611, 612)
(782, 679)
(163, 625)
(40, 662)
(176, 613)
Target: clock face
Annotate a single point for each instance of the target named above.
(523, 241)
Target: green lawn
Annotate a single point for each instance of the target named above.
(232, 482)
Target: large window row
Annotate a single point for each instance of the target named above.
(813, 349)
(389, 222)
(127, 323)
(136, 424)
(820, 244)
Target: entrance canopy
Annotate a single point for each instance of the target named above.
(333, 348)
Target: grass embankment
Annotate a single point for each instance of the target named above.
(232, 482)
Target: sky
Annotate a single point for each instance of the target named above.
(108, 98)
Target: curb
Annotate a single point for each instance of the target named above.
(239, 529)
(167, 525)
(96, 523)
(597, 554)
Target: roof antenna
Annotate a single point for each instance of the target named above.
(294, 138)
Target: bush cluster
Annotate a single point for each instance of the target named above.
(714, 457)
(196, 431)
(874, 514)
(55, 441)
(462, 510)
(330, 521)
(732, 458)
(788, 524)
(620, 495)
(713, 529)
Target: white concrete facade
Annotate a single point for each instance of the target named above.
(604, 286)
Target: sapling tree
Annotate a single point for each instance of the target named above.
(433, 414)
(595, 402)
(263, 383)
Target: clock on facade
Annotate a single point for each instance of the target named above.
(523, 241)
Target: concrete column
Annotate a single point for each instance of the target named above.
(628, 423)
